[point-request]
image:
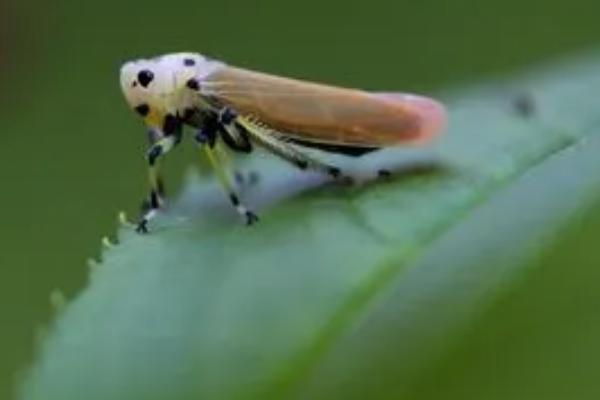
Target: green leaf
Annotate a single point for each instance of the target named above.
(337, 292)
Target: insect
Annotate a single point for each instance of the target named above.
(243, 109)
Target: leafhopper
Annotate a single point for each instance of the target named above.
(243, 109)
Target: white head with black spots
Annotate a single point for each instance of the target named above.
(163, 87)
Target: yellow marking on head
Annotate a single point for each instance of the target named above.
(154, 119)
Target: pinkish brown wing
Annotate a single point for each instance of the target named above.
(327, 114)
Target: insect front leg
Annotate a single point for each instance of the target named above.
(206, 139)
(156, 151)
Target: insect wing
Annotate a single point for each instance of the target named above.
(327, 114)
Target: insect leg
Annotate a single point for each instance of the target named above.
(232, 134)
(157, 150)
(223, 176)
(236, 139)
(268, 139)
(238, 176)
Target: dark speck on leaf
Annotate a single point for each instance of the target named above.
(525, 105)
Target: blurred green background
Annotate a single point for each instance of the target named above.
(72, 153)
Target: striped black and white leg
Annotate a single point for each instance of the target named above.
(248, 216)
(236, 139)
(221, 172)
(269, 140)
(154, 201)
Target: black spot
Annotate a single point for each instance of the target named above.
(234, 199)
(193, 84)
(143, 109)
(302, 164)
(134, 84)
(145, 76)
(142, 226)
(170, 125)
(251, 218)
(226, 115)
(154, 200)
(154, 152)
(189, 62)
(334, 171)
(206, 136)
(384, 173)
(188, 114)
(525, 105)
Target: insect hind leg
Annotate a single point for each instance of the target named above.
(268, 139)
(384, 173)
(235, 138)
(241, 178)
(216, 162)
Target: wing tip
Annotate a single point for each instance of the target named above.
(433, 118)
(431, 114)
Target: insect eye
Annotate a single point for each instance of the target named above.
(145, 76)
